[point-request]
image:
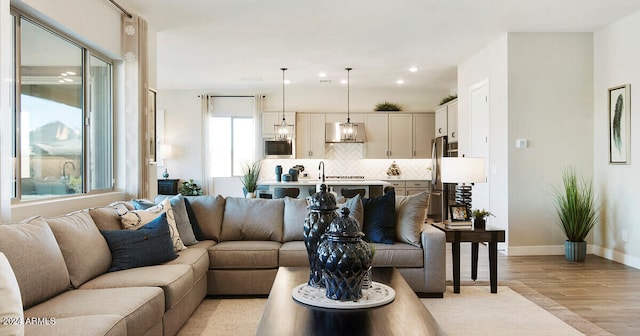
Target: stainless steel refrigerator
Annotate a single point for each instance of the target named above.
(439, 205)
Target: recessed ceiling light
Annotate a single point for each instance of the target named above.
(343, 81)
(64, 74)
(413, 69)
(400, 81)
(71, 73)
(286, 81)
(322, 74)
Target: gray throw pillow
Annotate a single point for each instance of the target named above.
(410, 215)
(182, 219)
(356, 209)
(295, 212)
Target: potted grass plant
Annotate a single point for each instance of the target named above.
(576, 212)
(250, 174)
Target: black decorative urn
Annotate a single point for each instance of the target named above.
(345, 258)
(321, 213)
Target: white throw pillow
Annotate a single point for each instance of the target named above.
(11, 314)
(134, 219)
(410, 215)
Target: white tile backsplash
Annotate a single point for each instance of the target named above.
(347, 159)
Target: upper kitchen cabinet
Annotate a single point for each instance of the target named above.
(388, 135)
(423, 133)
(270, 119)
(310, 135)
(447, 121)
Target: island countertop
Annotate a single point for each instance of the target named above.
(330, 182)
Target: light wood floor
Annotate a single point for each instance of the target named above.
(604, 292)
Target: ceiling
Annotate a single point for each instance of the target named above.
(242, 44)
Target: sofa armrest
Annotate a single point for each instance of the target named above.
(434, 249)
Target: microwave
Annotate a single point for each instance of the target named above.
(278, 149)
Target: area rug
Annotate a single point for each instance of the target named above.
(515, 310)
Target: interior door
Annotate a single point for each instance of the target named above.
(480, 141)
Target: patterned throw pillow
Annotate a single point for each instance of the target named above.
(135, 219)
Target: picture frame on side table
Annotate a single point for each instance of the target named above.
(620, 124)
(458, 213)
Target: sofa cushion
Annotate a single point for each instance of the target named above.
(410, 214)
(293, 254)
(295, 212)
(181, 216)
(103, 324)
(84, 249)
(197, 258)
(209, 211)
(380, 218)
(398, 255)
(140, 307)
(244, 255)
(175, 280)
(134, 219)
(253, 219)
(36, 259)
(108, 217)
(11, 302)
(149, 245)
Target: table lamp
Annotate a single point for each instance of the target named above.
(165, 153)
(464, 171)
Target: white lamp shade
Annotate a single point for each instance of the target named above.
(462, 170)
(165, 152)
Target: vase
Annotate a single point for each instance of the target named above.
(575, 251)
(321, 214)
(250, 195)
(345, 259)
(479, 223)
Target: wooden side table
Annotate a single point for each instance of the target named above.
(474, 236)
(168, 187)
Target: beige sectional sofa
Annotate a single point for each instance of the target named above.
(61, 265)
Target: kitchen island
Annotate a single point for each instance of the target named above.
(307, 186)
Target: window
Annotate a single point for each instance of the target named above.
(63, 116)
(232, 145)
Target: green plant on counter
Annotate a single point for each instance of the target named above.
(189, 188)
(250, 174)
(448, 99)
(387, 106)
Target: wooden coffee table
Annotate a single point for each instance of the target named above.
(406, 315)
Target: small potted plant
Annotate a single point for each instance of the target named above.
(250, 174)
(577, 213)
(480, 218)
(189, 188)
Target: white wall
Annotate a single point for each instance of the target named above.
(489, 64)
(616, 55)
(540, 90)
(550, 104)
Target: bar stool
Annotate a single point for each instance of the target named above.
(280, 192)
(351, 193)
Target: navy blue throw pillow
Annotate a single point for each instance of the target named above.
(149, 245)
(197, 230)
(380, 218)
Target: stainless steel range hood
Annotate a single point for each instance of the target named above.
(332, 133)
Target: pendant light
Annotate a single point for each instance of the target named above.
(348, 130)
(281, 128)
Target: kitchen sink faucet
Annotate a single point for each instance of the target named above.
(321, 165)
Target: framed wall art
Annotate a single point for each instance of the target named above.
(619, 124)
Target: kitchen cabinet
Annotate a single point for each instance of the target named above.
(409, 187)
(423, 133)
(447, 121)
(388, 135)
(310, 135)
(270, 119)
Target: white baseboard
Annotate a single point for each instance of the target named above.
(559, 250)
